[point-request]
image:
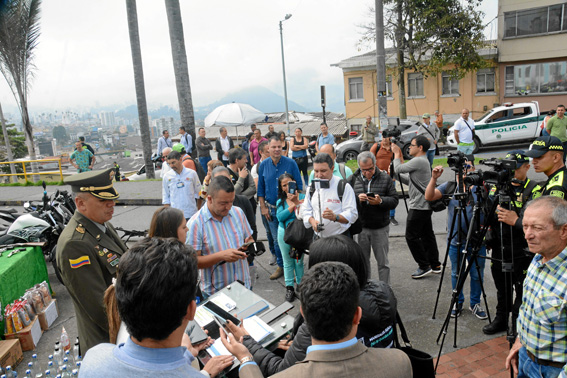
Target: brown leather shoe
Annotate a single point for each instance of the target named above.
(277, 274)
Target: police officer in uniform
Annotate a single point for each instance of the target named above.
(506, 226)
(547, 153)
(88, 253)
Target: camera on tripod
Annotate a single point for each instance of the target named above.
(456, 161)
(501, 174)
(392, 133)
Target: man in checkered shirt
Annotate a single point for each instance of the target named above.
(540, 349)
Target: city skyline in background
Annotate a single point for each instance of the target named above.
(84, 59)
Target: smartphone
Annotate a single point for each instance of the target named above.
(245, 246)
(253, 310)
(216, 310)
(292, 187)
(370, 195)
(321, 184)
(275, 313)
(196, 333)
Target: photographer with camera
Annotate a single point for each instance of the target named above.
(506, 231)
(419, 228)
(547, 153)
(326, 209)
(456, 240)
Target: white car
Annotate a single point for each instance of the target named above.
(141, 174)
(509, 123)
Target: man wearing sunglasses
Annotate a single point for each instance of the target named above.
(419, 229)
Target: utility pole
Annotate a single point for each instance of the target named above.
(381, 66)
(323, 102)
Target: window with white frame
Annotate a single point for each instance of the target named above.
(415, 84)
(450, 85)
(485, 79)
(535, 21)
(536, 78)
(355, 89)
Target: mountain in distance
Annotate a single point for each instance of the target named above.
(259, 97)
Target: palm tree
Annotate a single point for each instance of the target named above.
(140, 87)
(180, 66)
(19, 34)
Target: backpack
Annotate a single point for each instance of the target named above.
(356, 227)
(199, 169)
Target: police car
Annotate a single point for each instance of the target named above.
(509, 123)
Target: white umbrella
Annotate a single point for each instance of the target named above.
(234, 114)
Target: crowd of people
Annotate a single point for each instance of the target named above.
(198, 244)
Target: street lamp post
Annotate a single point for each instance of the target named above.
(287, 16)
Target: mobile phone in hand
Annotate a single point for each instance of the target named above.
(292, 187)
(370, 195)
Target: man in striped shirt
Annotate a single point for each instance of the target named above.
(217, 232)
(540, 347)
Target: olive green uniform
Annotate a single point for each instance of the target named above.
(88, 258)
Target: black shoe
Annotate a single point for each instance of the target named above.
(497, 325)
(394, 221)
(436, 269)
(457, 310)
(289, 294)
(420, 273)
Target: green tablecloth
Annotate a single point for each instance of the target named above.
(18, 273)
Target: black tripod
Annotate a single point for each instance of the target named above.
(474, 241)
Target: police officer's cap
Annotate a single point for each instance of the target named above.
(519, 156)
(97, 183)
(544, 144)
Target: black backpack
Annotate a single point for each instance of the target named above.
(356, 227)
(200, 171)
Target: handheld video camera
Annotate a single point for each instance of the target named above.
(501, 174)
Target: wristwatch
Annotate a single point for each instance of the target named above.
(337, 218)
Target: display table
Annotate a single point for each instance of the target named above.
(245, 298)
(19, 273)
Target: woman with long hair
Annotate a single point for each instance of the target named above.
(298, 147)
(168, 222)
(285, 143)
(286, 207)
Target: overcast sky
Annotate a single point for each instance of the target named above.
(84, 57)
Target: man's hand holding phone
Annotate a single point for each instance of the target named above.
(232, 255)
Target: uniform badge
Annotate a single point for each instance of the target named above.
(105, 250)
(80, 229)
(111, 258)
(100, 253)
(77, 263)
(115, 261)
(98, 237)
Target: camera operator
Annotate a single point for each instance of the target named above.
(547, 153)
(377, 194)
(327, 210)
(520, 189)
(419, 229)
(449, 188)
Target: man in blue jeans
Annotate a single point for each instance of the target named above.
(268, 173)
(457, 239)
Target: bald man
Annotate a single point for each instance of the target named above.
(464, 134)
(340, 170)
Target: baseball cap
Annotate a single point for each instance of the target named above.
(519, 156)
(426, 115)
(179, 148)
(544, 144)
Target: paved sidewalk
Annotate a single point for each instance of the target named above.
(484, 359)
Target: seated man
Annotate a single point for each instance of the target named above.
(155, 295)
(329, 295)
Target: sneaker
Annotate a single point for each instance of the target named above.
(457, 310)
(290, 294)
(394, 221)
(497, 325)
(277, 274)
(437, 269)
(273, 260)
(420, 273)
(478, 312)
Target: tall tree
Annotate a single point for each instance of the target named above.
(19, 34)
(140, 87)
(180, 65)
(8, 146)
(429, 36)
(60, 133)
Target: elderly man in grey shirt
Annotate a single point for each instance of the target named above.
(419, 229)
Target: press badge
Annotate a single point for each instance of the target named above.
(180, 184)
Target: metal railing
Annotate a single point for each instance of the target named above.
(26, 173)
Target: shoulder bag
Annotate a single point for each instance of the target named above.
(437, 205)
(421, 362)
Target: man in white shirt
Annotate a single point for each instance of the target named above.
(164, 141)
(223, 145)
(323, 209)
(432, 133)
(464, 135)
(181, 187)
(164, 166)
